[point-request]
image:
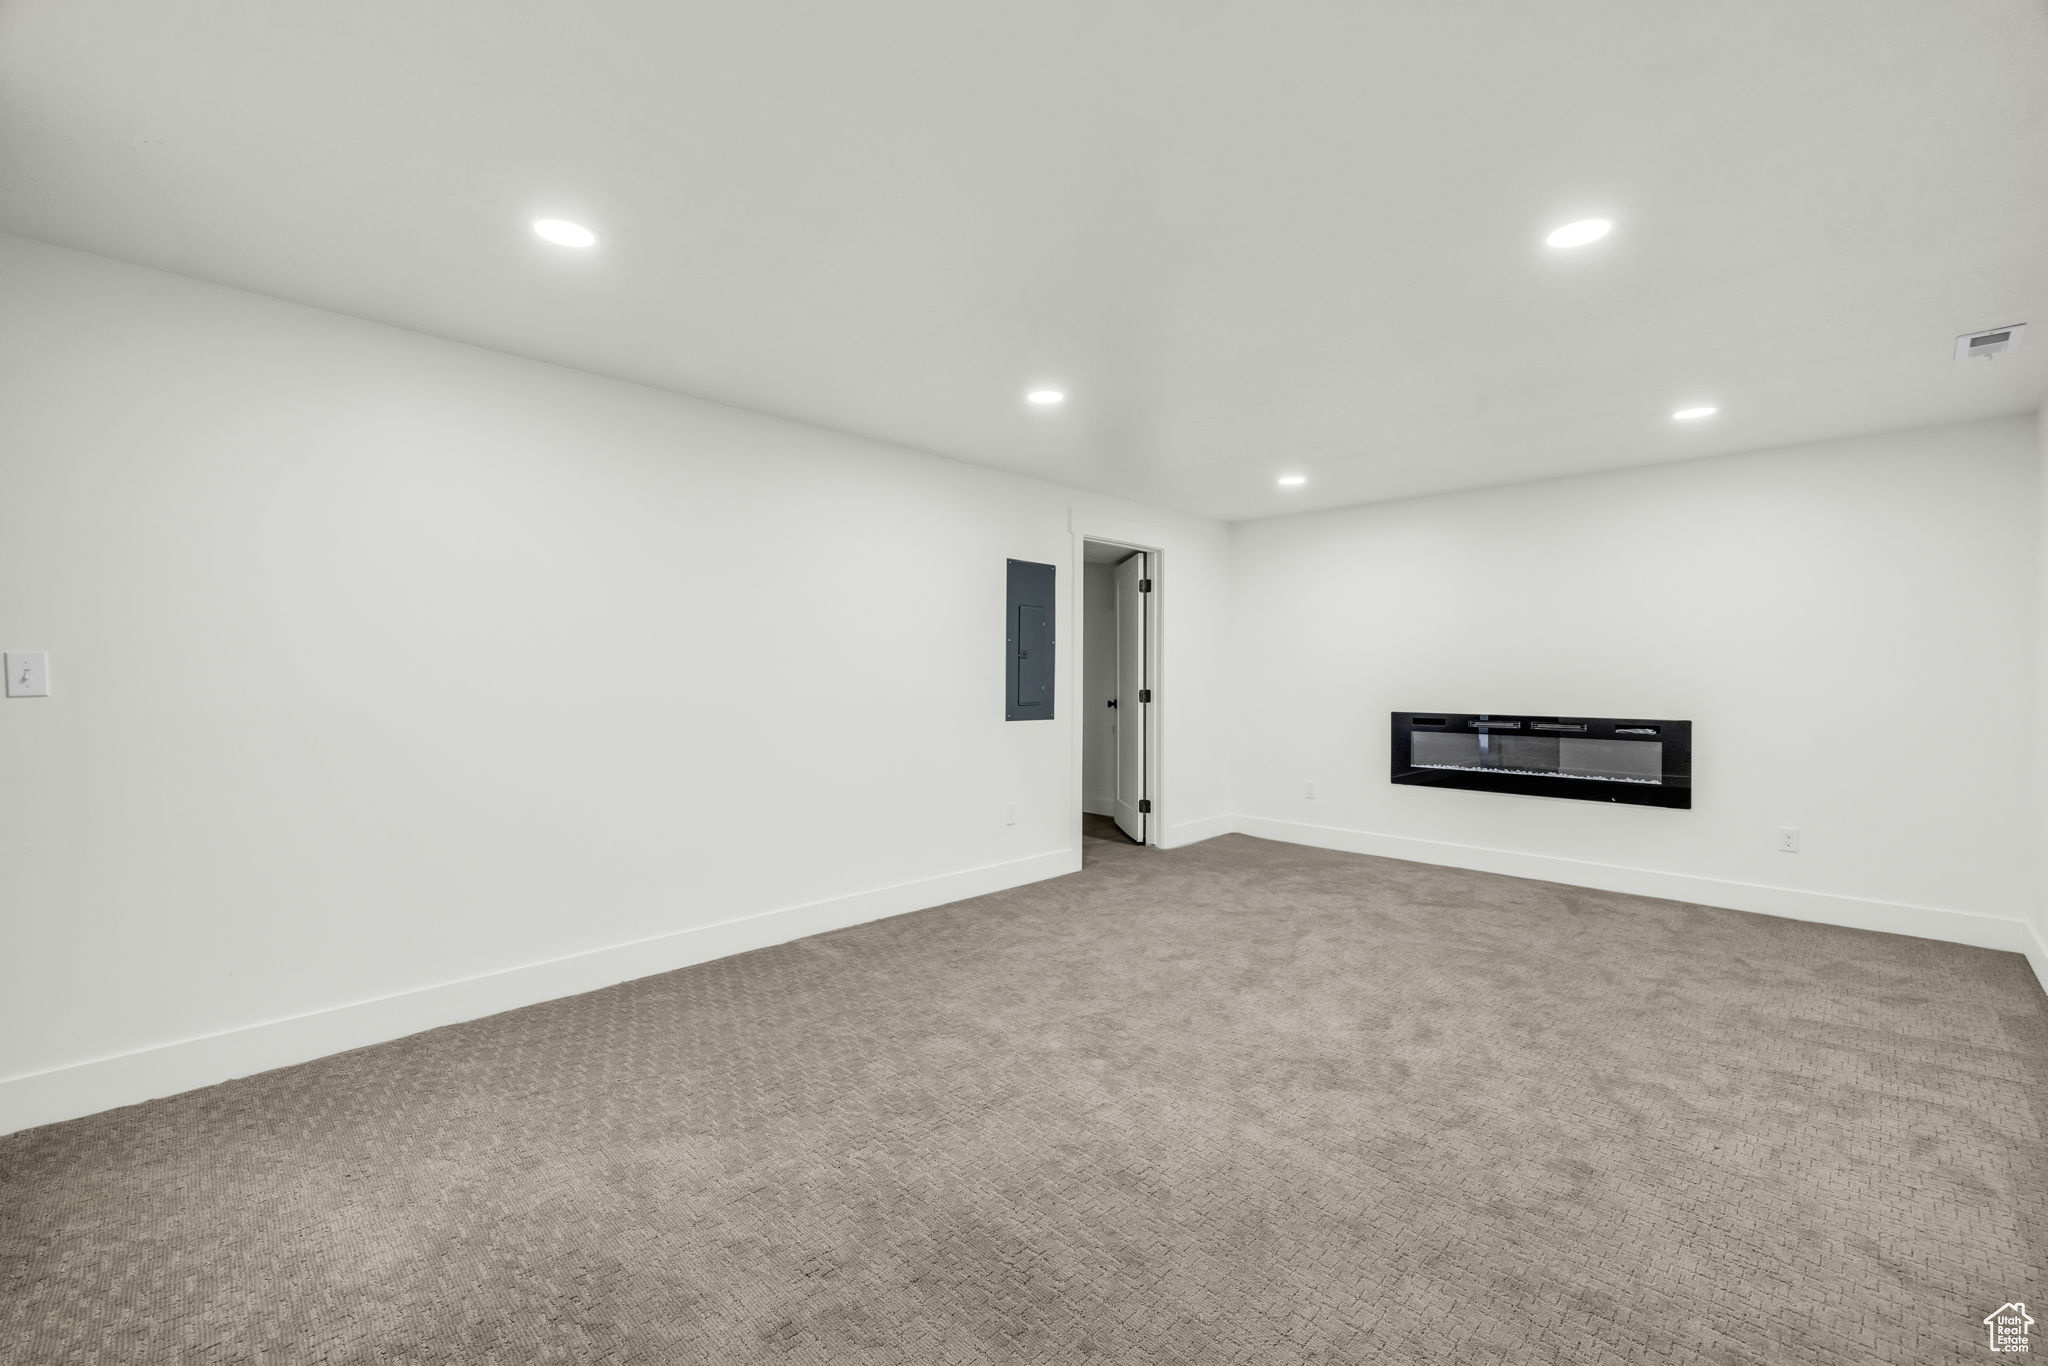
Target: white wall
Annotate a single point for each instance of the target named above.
(1098, 685)
(397, 681)
(382, 663)
(1848, 625)
(2039, 949)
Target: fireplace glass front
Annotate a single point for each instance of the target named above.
(1607, 759)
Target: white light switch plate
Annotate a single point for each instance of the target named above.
(28, 673)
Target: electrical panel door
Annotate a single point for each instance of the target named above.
(1028, 644)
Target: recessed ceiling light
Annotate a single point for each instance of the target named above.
(1694, 414)
(1579, 233)
(1045, 398)
(563, 233)
(1290, 480)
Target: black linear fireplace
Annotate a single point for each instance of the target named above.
(1592, 759)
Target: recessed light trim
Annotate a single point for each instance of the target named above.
(1694, 414)
(1579, 234)
(1045, 398)
(1288, 481)
(563, 233)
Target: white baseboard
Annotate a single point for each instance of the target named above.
(1193, 832)
(1099, 806)
(2037, 953)
(1924, 922)
(166, 1069)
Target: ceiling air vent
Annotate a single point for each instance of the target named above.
(1991, 342)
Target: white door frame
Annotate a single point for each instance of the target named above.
(1132, 536)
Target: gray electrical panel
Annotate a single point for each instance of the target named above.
(1028, 645)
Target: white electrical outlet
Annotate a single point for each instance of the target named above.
(1788, 839)
(28, 673)
(1308, 789)
(1009, 813)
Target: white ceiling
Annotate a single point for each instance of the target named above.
(1298, 235)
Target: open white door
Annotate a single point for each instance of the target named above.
(1133, 695)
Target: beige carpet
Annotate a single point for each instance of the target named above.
(1239, 1103)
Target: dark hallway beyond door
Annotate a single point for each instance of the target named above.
(1100, 829)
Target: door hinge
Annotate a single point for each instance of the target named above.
(1144, 694)
(1144, 806)
(1144, 585)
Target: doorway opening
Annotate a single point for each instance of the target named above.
(1116, 695)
